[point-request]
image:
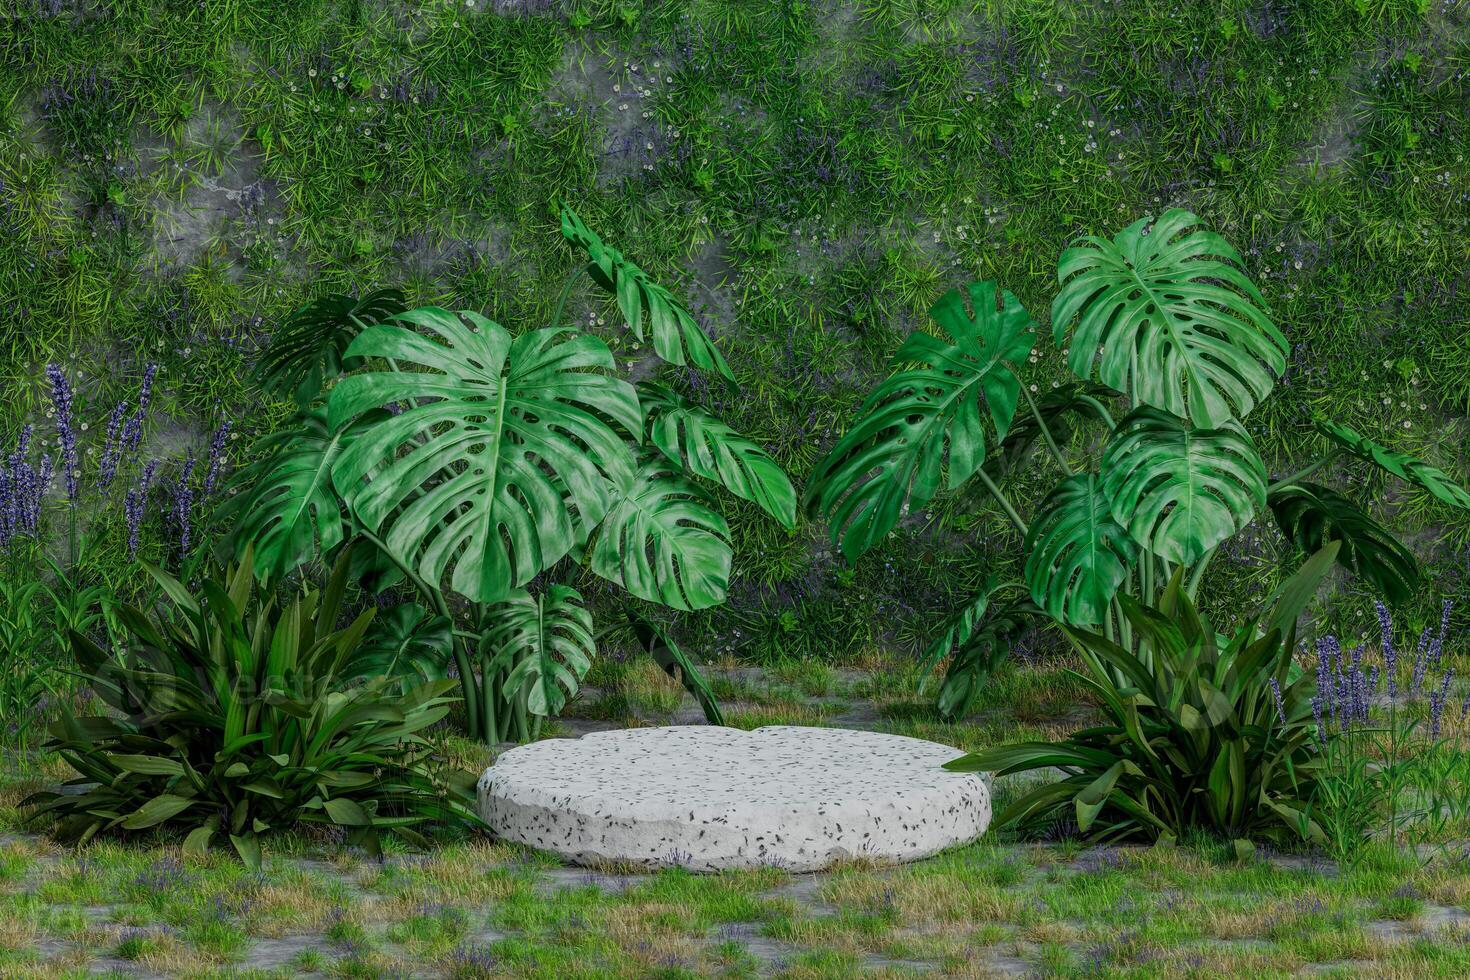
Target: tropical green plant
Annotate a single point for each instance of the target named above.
(233, 717)
(1198, 731)
(473, 460)
(1161, 325)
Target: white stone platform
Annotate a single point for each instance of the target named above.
(707, 798)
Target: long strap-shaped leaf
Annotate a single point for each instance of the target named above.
(676, 335)
(926, 419)
(1164, 313)
(503, 458)
(708, 448)
(678, 665)
(1401, 465)
(1180, 491)
(1077, 555)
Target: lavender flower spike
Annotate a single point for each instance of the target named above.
(216, 457)
(66, 435)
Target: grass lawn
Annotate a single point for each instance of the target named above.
(480, 908)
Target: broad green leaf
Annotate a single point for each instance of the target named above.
(977, 657)
(927, 424)
(286, 506)
(406, 640)
(1077, 555)
(503, 457)
(1311, 515)
(308, 349)
(156, 811)
(1180, 491)
(346, 813)
(1164, 313)
(707, 447)
(1401, 465)
(547, 642)
(662, 541)
(677, 338)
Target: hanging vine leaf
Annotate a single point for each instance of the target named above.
(284, 502)
(1077, 555)
(925, 419)
(309, 348)
(662, 541)
(1180, 491)
(546, 643)
(1312, 515)
(707, 447)
(1164, 312)
(1401, 465)
(504, 456)
(676, 335)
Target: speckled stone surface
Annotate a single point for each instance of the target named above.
(708, 798)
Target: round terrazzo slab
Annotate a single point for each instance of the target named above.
(706, 798)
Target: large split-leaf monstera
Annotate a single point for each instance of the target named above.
(500, 456)
(470, 461)
(1164, 316)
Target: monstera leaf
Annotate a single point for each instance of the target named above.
(546, 643)
(1312, 515)
(666, 653)
(504, 457)
(1077, 554)
(926, 419)
(1164, 313)
(1180, 491)
(1057, 408)
(707, 447)
(662, 541)
(309, 348)
(676, 337)
(285, 505)
(405, 641)
(1401, 465)
(979, 655)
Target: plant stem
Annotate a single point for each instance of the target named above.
(1101, 410)
(1001, 499)
(1051, 442)
(1192, 588)
(566, 291)
(1303, 473)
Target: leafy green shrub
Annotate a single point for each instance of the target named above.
(235, 717)
(1199, 731)
(1161, 319)
(473, 460)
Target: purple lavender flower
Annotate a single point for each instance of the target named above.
(1390, 653)
(1436, 703)
(1317, 714)
(111, 448)
(184, 504)
(1436, 649)
(216, 457)
(135, 504)
(1421, 664)
(66, 435)
(133, 431)
(1280, 704)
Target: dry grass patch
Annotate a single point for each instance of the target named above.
(925, 899)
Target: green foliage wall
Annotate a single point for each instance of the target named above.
(810, 176)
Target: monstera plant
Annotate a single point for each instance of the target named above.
(472, 460)
(1161, 327)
